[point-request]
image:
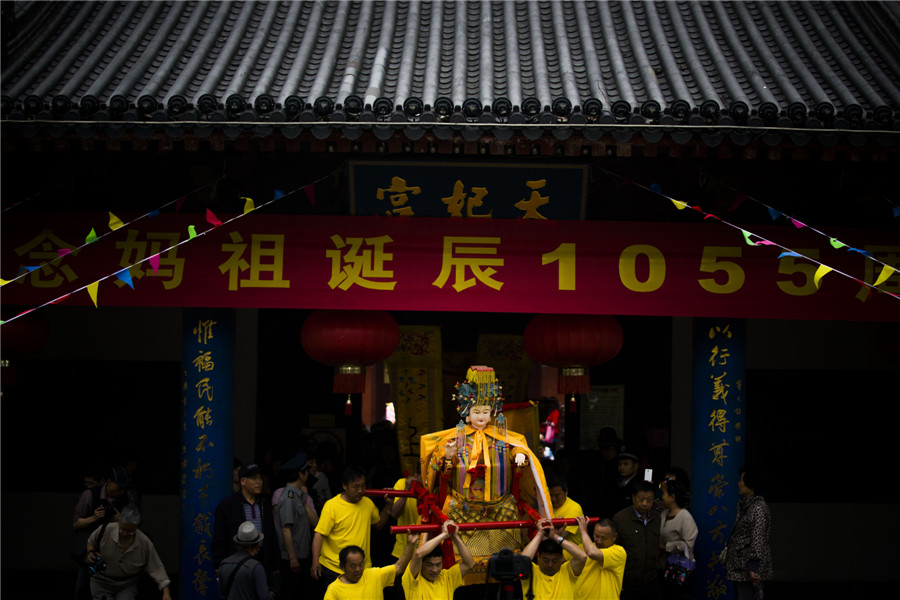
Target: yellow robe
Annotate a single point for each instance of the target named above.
(464, 506)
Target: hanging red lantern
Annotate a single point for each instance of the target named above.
(350, 340)
(573, 343)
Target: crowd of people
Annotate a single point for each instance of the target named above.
(293, 532)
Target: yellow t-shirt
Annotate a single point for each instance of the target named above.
(558, 587)
(343, 524)
(442, 588)
(409, 516)
(369, 587)
(603, 582)
(569, 510)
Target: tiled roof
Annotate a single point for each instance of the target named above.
(800, 66)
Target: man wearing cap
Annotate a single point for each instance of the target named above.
(95, 506)
(247, 504)
(618, 493)
(295, 516)
(241, 576)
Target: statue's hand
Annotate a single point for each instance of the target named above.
(521, 460)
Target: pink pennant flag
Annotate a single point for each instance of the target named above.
(212, 219)
(179, 203)
(63, 251)
(311, 193)
(797, 223)
(154, 262)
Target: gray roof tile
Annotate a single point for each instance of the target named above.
(798, 64)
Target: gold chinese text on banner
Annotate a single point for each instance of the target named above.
(415, 372)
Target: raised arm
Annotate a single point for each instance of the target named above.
(590, 549)
(531, 549)
(400, 565)
(311, 513)
(578, 556)
(383, 517)
(415, 563)
(400, 502)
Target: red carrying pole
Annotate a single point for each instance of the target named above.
(436, 528)
(389, 492)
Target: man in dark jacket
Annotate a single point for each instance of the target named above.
(638, 526)
(247, 504)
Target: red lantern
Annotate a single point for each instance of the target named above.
(573, 343)
(350, 340)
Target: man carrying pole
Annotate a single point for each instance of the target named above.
(425, 578)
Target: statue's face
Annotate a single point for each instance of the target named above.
(479, 416)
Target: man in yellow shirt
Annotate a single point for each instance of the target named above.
(346, 520)
(358, 582)
(404, 510)
(602, 576)
(564, 508)
(554, 578)
(425, 577)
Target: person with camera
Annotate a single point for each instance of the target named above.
(96, 505)
(425, 578)
(602, 575)
(554, 578)
(117, 553)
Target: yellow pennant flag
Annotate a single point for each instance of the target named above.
(92, 291)
(248, 204)
(679, 204)
(114, 222)
(3, 282)
(885, 273)
(821, 272)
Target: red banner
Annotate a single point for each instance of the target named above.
(496, 265)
